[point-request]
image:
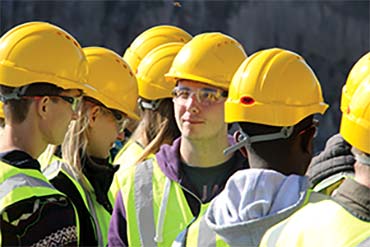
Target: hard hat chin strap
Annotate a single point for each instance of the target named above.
(361, 157)
(16, 94)
(150, 105)
(245, 140)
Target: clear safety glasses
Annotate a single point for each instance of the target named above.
(120, 118)
(204, 96)
(73, 101)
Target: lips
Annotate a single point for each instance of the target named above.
(193, 121)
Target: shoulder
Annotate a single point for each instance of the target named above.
(46, 220)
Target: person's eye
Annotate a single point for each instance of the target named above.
(208, 95)
(183, 93)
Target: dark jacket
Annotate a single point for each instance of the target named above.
(45, 220)
(100, 173)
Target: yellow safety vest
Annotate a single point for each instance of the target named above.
(99, 214)
(125, 158)
(33, 184)
(330, 184)
(200, 235)
(156, 207)
(325, 223)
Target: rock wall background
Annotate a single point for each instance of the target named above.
(330, 35)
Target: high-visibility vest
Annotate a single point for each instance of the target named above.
(126, 157)
(156, 207)
(325, 223)
(17, 184)
(200, 235)
(101, 217)
(330, 184)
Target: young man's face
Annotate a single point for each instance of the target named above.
(62, 111)
(197, 116)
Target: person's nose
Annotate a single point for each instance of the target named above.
(121, 136)
(192, 104)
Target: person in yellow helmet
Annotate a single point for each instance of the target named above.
(42, 73)
(85, 173)
(273, 97)
(142, 45)
(163, 194)
(150, 39)
(329, 168)
(344, 220)
(157, 125)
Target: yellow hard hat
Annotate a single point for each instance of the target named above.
(355, 124)
(111, 81)
(358, 72)
(211, 58)
(41, 52)
(150, 39)
(150, 74)
(274, 87)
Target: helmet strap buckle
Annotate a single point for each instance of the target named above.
(244, 140)
(150, 105)
(15, 95)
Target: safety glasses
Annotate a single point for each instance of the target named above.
(204, 96)
(315, 124)
(120, 118)
(73, 101)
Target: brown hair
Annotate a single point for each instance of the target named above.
(17, 109)
(156, 127)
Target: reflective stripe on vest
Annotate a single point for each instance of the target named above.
(340, 228)
(156, 207)
(365, 243)
(144, 204)
(18, 184)
(21, 180)
(206, 237)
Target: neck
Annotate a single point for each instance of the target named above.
(282, 158)
(362, 174)
(22, 137)
(204, 153)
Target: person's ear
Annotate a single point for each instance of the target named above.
(93, 115)
(242, 150)
(43, 106)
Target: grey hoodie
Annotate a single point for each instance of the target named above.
(253, 201)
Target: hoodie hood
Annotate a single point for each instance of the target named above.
(252, 201)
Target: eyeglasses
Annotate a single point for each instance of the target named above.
(204, 96)
(315, 124)
(120, 118)
(74, 101)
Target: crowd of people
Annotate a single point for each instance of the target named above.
(182, 141)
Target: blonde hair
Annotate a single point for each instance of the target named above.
(75, 141)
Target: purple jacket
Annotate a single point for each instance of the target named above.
(168, 158)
